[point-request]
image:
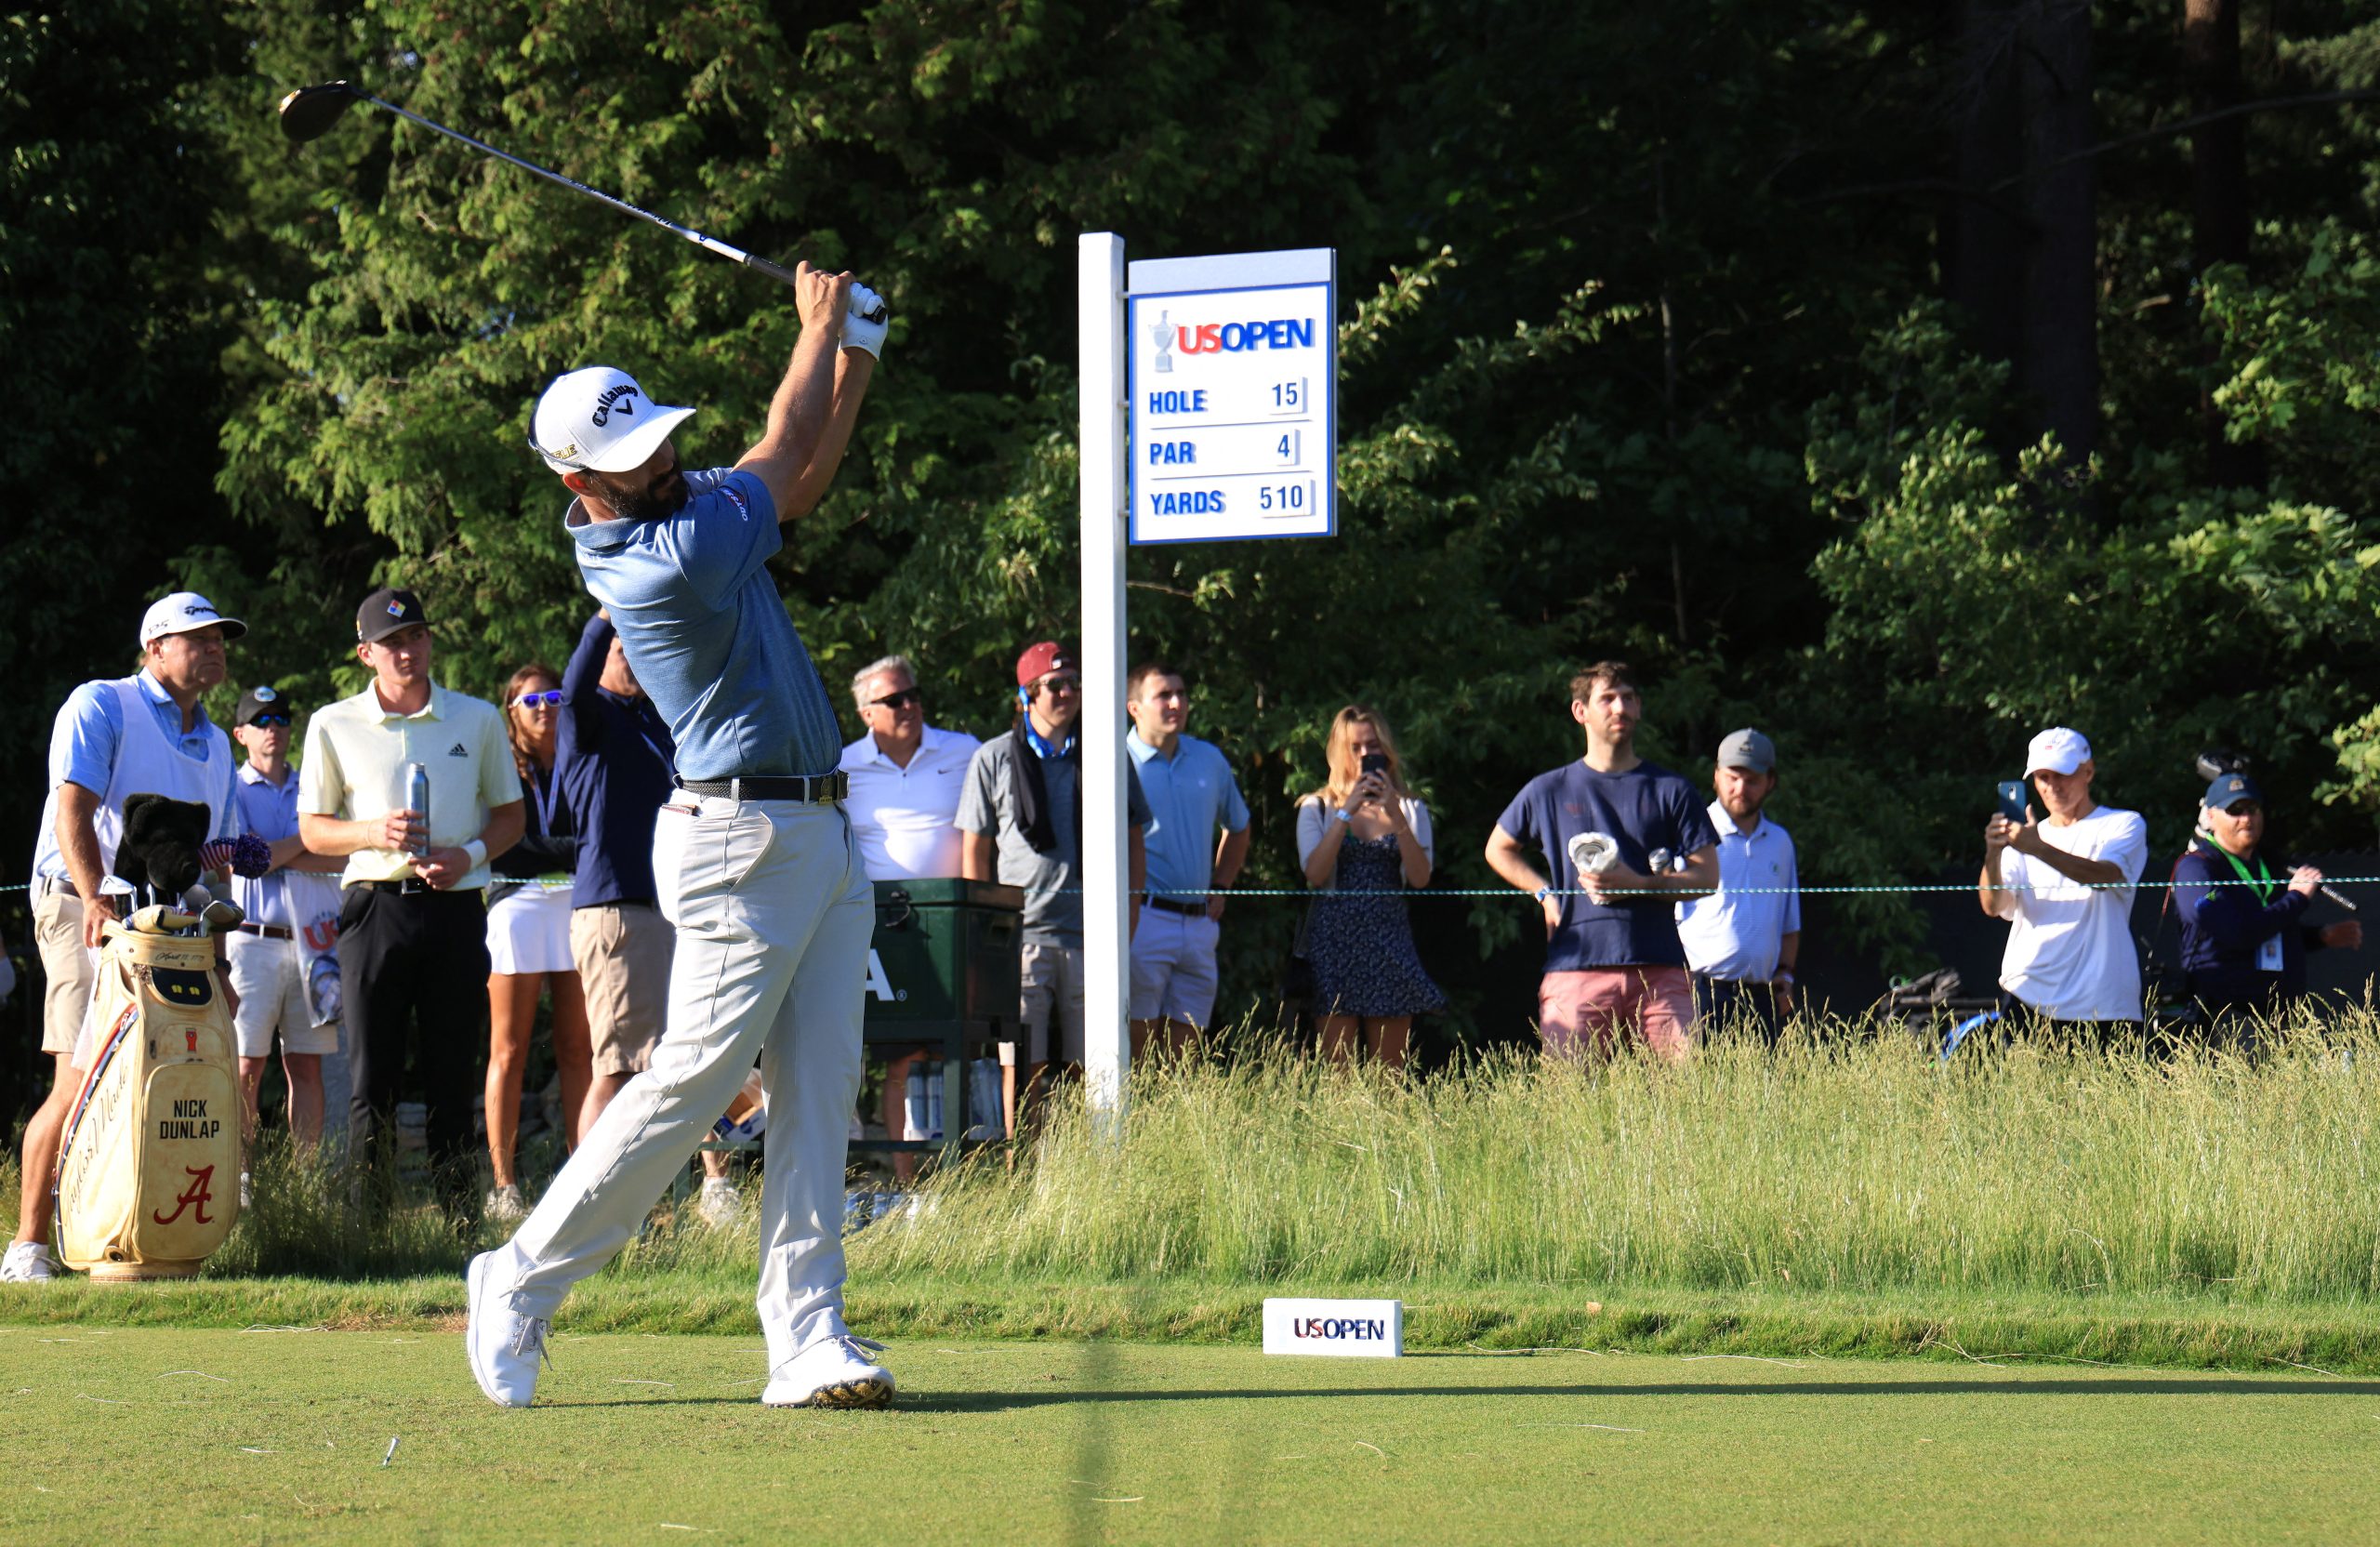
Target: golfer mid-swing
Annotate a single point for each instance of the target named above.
(755, 860)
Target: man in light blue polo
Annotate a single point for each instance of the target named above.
(753, 857)
(1197, 842)
(1741, 940)
(112, 739)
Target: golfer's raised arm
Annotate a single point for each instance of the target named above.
(802, 409)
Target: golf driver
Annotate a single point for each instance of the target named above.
(307, 113)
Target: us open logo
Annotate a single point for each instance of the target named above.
(1340, 1329)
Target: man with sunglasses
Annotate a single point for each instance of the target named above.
(2245, 937)
(272, 956)
(1021, 825)
(905, 779)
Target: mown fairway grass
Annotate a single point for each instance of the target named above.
(279, 1436)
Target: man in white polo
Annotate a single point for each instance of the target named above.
(413, 913)
(2064, 881)
(754, 857)
(905, 779)
(144, 734)
(1743, 940)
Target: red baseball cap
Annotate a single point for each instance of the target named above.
(1042, 659)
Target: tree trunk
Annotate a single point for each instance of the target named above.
(2022, 261)
(2221, 220)
(2057, 363)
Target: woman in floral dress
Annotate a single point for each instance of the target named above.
(1364, 840)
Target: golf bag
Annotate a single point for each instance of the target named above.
(148, 1172)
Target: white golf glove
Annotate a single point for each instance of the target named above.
(869, 321)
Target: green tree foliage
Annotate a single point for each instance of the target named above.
(1642, 358)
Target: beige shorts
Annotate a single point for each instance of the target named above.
(57, 931)
(1052, 1011)
(623, 952)
(269, 977)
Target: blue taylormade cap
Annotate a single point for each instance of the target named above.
(2229, 790)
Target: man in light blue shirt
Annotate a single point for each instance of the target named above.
(1197, 842)
(754, 858)
(1741, 941)
(142, 733)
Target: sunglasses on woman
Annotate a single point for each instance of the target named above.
(552, 695)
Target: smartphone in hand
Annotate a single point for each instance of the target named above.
(2012, 799)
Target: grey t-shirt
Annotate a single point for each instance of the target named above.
(1052, 882)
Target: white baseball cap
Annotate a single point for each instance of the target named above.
(183, 612)
(2057, 750)
(600, 419)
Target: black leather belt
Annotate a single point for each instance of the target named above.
(814, 788)
(414, 888)
(270, 932)
(1175, 904)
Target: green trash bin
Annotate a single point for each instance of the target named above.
(944, 969)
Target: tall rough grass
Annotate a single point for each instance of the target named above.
(1858, 1162)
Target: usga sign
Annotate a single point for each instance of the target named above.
(1338, 1329)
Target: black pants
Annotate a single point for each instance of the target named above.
(416, 962)
(1721, 1003)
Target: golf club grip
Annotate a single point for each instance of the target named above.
(782, 276)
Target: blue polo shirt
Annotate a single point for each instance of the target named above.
(270, 811)
(706, 633)
(1190, 795)
(82, 750)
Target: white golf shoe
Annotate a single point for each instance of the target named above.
(504, 1206)
(26, 1263)
(832, 1372)
(720, 1206)
(504, 1346)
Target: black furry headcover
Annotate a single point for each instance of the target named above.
(161, 840)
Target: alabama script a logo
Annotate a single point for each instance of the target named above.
(197, 1196)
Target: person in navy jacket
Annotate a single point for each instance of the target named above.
(2243, 938)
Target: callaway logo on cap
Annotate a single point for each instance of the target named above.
(600, 420)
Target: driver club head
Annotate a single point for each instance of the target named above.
(307, 112)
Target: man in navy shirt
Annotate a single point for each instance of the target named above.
(754, 861)
(1636, 839)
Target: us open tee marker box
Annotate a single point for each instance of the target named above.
(1335, 1329)
(1234, 391)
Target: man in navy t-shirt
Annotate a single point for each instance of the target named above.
(1642, 842)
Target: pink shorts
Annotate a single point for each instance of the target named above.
(1586, 1015)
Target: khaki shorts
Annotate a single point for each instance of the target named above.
(57, 931)
(623, 951)
(1052, 1011)
(269, 977)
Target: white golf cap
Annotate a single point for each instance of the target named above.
(600, 419)
(2057, 749)
(183, 612)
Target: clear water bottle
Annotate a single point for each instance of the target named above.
(914, 1124)
(933, 1105)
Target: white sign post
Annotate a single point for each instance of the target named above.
(1228, 428)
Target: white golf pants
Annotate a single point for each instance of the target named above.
(774, 915)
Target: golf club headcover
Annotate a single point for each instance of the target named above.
(869, 321)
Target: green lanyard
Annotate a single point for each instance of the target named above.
(2262, 881)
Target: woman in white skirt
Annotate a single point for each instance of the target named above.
(528, 938)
